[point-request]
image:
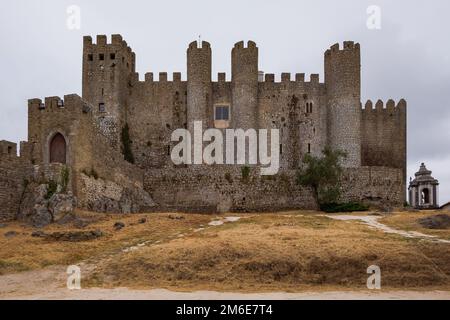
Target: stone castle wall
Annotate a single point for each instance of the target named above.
(95, 166)
(309, 114)
(14, 174)
(383, 136)
(224, 189)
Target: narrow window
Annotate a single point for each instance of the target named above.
(168, 150)
(281, 148)
(309, 147)
(101, 107)
(112, 56)
(101, 57)
(222, 113)
(103, 91)
(311, 107)
(9, 149)
(90, 57)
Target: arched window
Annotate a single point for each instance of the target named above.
(425, 196)
(58, 149)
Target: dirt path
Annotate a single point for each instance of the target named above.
(372, 222)
(50, 283)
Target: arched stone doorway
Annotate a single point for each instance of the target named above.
(58, 149)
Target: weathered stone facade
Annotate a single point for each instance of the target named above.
(87, 133)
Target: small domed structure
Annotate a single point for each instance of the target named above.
(424, 190)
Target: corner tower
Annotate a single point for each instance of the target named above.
(244, 72)
(107, 71)
(343, 84)
(199, 87)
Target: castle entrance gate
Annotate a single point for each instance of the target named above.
(58, 149)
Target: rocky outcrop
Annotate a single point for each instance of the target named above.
(40, 207)
(107, 196)
(76, 236)
(439, 221)
(60, 205)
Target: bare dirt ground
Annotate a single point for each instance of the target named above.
(292, 255)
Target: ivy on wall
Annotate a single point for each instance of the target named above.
(126, 144)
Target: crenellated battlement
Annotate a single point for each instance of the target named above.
(203, 45)
(241, 45)
(287, 77)
(347, 46)
(389, 107)
(54, 103)
(102, 41)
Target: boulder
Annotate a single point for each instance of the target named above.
(142, 220)
(439, 221)
(70, 236)
(11, 234)
(41, 216)
(119, 225)
(61, 205)
(38, 234)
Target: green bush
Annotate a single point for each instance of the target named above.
(51, 189)
(65, 174)
(343, 207)
(126, 144)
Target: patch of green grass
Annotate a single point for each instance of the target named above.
(344, 207)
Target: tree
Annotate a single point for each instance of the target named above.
(322, 175)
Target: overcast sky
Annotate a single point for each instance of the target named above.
(409, 57)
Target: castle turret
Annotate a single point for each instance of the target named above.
(199, 85)
(244, 69)
(343, 84)
(107, 71)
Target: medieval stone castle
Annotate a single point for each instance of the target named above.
(115, 140)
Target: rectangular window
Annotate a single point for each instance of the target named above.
(101, 107)
(90, 57)
(101, 57)
(222, 113)
(112, 56)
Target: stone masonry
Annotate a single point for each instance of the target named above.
(88, 133)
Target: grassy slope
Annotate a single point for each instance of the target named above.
(273, 252)
(288, 252)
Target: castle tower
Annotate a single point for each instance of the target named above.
(244, 70)
(343, 84)
(107, 71)
(199, 87)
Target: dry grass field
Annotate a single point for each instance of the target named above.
(290, 252)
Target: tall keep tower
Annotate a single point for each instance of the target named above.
(199, 87)
(107, 71)
(244, 70)
(343, 83)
